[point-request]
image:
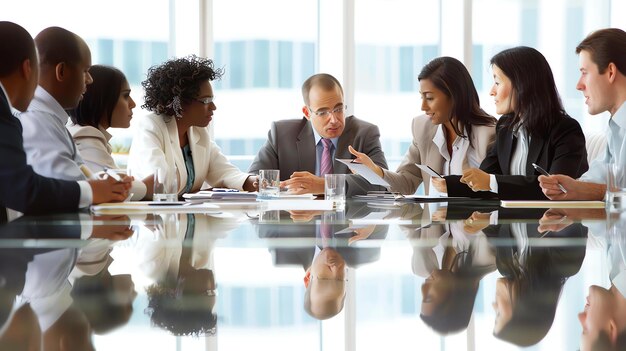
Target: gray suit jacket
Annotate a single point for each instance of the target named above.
(290, 147)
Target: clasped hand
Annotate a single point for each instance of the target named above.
(476, 179)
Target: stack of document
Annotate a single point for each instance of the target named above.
(552, 204)
(224, 195)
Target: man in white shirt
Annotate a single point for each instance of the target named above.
(603, 83)
(21, 188)
(64, 65)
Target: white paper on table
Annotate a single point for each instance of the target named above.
(364, 172)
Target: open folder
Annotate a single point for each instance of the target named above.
(551, 204)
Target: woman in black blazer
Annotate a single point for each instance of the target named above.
(534, 128)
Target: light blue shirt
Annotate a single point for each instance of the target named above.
(319, 148)
(86, 194)
(615, 149)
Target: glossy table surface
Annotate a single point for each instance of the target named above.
(457, 276)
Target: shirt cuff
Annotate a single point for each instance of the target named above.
(86, 226)
(139, 190)
(493, 184)
(86, 195)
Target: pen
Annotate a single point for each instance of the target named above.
(113, 175)
(225, 190)
(543, 171)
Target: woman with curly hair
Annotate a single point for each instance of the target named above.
(180, 97)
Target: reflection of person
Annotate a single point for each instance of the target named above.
(180, 95)
(454, 268)
(602, 59)
(603, 319)
(105, 104)
(533, 277)
(307, 225)
(19, 328)
(183, 296)
(21, 188)
(47, 289)
(106, 300)
(452, 136)
(325, 283)
(534, 128)
(297, 147)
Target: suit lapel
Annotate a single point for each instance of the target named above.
(305, 145)
(345, 139)
(505, 152)
(534, 150)
(177, 154)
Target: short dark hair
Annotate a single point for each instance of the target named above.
(16, 46)
(451, 77)
(100, 98)
(323, 80)
(56, 44)
(539, 107)
(606, 46)
(177, 78)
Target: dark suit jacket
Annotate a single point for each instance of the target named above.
(561, 152)
(20, 187)
(290, 147)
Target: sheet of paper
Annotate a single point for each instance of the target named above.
(382, 217)
(552, 204)
(426, 169)
(151, 206)
(364, 172)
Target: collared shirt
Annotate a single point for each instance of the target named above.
(319, 148)
(615, 149)
(518, 158)
(86, 195)
(463, 155)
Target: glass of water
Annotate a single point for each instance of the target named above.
(165, 184)
(335, 189)
(269, 183)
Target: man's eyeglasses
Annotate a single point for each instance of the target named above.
(206, 100)
(326, 113)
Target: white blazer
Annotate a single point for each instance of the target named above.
(93, 146)
(156, 145)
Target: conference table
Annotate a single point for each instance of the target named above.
(463, 275)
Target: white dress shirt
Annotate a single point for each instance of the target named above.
(463, 155)
(615, 149)
(518, 158)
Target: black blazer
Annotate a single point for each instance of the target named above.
(563, 151)
(21, 188)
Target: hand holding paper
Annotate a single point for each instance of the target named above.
(364, 171)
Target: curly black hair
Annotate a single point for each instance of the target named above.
(175, 82)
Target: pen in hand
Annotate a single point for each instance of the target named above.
(112, 174)
(545, 173)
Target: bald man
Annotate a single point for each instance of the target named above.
(21, 188)
(64, 75)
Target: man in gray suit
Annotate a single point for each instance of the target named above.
(296, 147)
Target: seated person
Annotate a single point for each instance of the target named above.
(302, 149)
(21, 189)
(105, 104)
(454, 134)
(179, 94)
(534, 128)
